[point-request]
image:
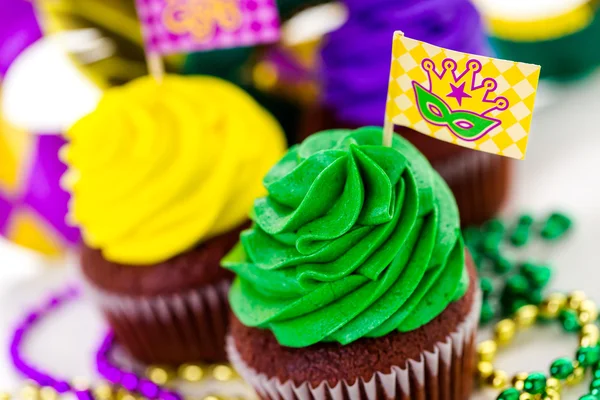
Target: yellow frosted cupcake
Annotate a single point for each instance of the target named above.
(163, 177)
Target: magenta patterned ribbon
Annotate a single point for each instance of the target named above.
(179, 26)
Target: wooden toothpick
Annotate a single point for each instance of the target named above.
(156, 66)
(388, 132)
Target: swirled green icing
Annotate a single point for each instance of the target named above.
(353, 240)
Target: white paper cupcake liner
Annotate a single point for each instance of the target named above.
(444, 373)
(169, 329)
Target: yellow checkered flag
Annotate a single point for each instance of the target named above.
(472, 101)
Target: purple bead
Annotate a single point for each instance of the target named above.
(62, 387)
(31, 318)
(16, 340)
(72, 292)
(54, 302)
(104, 364)
(167, 395)
(39, 377)
(148, 388)
(85, 395)
(113, 374)
(130, 381)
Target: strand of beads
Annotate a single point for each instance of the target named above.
(127, 379)
(121, 384)
(489, 246)
(157, 376)
(46, 387)
(576, 314)
(41, 378)
(192, 373)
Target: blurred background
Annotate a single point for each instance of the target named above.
(57, 57)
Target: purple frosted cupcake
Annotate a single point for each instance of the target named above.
(355, 71)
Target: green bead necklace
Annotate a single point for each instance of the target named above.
(522, 303)
(565, 370)
(522, 283)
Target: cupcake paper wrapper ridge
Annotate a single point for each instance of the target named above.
(444, 373)
(169, 329)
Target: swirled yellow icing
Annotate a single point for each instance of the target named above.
(158, 168)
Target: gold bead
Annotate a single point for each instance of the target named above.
(80, 383)
(48, 393)
(559, 298)
(30, 392)
(211, 397)
(526, 396)
(484, 369)
(518, 381)
(552, 394)
(587, 312)
(498, 379)
(553, 384)
(191, 372)
(123, 394)
(504, 331)
(552, 306)
(586, 341)
(159, 374)
(526, 316)
(556, 302)
(4, 396)
(103, 392)
(486, 350)
(576, 377)
(223, 373)
(591, 334)
(574, 299)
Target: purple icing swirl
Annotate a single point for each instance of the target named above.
(356, 57)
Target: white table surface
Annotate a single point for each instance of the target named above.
(561, 172)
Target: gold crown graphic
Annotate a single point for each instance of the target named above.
(460, 91)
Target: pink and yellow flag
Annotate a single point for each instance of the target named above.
(473, 101)
(178, 26)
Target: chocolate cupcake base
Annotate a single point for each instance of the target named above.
(432, 362)
(171, 330)
(480, 183)
(172, 312)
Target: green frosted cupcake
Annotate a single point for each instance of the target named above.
(354, 269)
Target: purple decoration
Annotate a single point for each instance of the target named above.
(356, 57)
(20, 333)
(288, 69)
(128, 379)
(110, 372)
(43, 192)
(18, 30)
(5, 209)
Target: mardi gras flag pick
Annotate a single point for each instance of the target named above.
(472, 101)
(177, 26)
